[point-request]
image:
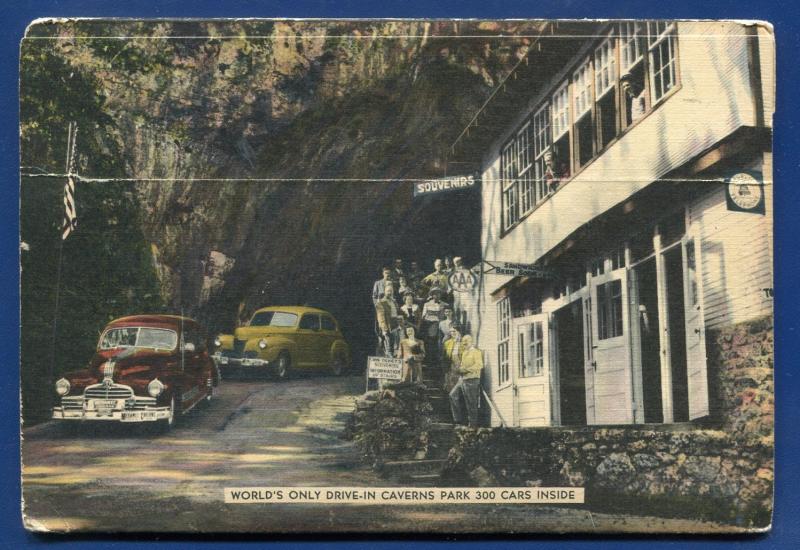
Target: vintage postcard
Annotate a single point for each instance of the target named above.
(440, 276)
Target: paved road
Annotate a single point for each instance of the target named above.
(255, 433)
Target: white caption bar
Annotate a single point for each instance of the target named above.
(404, 495)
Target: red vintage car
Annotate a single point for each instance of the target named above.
(147, 368)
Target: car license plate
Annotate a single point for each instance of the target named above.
(105, 406)
(223, 360)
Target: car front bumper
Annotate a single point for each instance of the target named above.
(78, 408)
(225, 361)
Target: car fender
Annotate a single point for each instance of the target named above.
(275, 345)
(225, 342)
(340, 347)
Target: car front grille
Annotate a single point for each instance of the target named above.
(238, 347)
(114, 391)
(141, 403)
(72, 403)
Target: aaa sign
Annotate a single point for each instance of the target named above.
(462, 280)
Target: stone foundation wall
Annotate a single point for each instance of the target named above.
(701, 474)
(741, 382)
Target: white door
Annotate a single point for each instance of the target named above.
(697, 378)
(531, 370)
(611, 361)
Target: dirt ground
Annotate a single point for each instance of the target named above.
(256, 433)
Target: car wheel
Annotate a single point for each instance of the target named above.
(338, 365)
(282, 371)
(167, 423)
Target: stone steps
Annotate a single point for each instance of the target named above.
(414, 471)
(425, 480)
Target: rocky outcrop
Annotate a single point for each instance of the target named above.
(290, 104)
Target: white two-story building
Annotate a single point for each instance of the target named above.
(651, 209)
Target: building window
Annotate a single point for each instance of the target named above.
(691, 268)
(541, 149)
(582, 103)
(525, 175)
(509, 183)
(609, 310)
(504, 340)
(633, 101)
(661, 56)
(605, 83)
(630, 45)
(560, 148)
(533, 363)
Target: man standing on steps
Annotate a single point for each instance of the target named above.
(379, 287)
(389, 320)
(451, 358)
(467, 392)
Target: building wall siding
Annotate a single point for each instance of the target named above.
(736, 259)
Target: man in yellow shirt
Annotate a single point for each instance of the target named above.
(451, 357)
(467, 392)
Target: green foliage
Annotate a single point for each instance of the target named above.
(107, 265)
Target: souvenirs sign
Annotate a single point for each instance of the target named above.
(443, 185)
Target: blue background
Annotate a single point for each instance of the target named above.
(784, 15)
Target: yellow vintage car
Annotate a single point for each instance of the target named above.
(284, 339)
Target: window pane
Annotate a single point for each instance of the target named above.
(604, 66)
(631, 51)
(602, 313)
(327, 323)
(582, 85)
(691, 272)
(309, 321)
(609, 310)
(541, 131)
(662, 63)
(504, 332)
(560, 111)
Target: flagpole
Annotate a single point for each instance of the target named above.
(72, 129)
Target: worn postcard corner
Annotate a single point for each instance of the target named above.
(292, 276)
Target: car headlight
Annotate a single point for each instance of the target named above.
(217, 342)
(155, 387)
(262, 344)
(62, 386)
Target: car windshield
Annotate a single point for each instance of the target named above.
(273, 319)
(139, 337)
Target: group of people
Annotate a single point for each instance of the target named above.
(415, 322)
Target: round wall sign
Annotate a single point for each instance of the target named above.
(745, 191)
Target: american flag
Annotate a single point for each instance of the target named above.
(70, 214)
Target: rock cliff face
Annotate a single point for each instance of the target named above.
(242, 132)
